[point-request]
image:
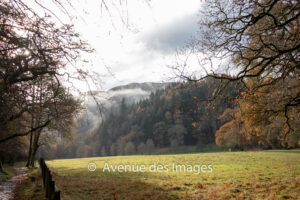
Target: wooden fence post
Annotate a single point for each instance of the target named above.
(48, 183)
(57, 195)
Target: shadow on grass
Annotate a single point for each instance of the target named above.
(81, 184)
(296, 151)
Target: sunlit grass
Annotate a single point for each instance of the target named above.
(238, 175)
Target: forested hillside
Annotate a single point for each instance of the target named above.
(180, 115)
(109, 101)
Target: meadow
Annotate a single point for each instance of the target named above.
(234, 175)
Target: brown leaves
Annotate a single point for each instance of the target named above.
(199, 185)
(296, 182)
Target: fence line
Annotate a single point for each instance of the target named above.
(48, 183)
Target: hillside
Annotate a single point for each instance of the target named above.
(176, 116)
(109, 101)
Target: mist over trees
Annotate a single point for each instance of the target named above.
(179, 115)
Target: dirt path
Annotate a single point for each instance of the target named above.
(7, 188)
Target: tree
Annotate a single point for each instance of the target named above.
(160, 134)
(135, 135)
(176, 133)
(129, 148)
(257, 44)
(50, 102)
(13, 150)
(103, 151)
(141, 149)
(31, 47)
(262, 110)
(150, 147)
(121, 143)
(230, 135)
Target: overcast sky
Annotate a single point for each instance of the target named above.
(134, 42)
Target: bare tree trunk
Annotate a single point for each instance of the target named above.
(33, 155)
(30, 151)
(35, 146)
(32, 125)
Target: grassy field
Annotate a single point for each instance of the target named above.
(235, 175)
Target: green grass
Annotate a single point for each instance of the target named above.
(235, 175)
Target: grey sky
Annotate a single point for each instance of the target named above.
(139, 46)
(173, 36)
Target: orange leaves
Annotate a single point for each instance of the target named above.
(257, 94)
(295, 27)
(211, 107)
(235, 61)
